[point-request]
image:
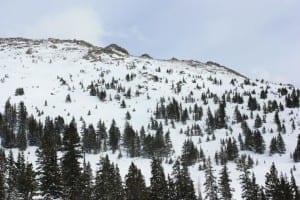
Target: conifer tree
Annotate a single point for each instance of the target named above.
(114, 136)
(183, 185)
(280, 144)
(158, 184)
(108, 183)
(71, 170)
(135, 187)
(294, 187)
(86, 181)
(272, 183)
(48, 171)
(2, 185)
(296, 153)
(11, 177)
(250, 189)
(21, 134)
(225, 189)
(210, 184)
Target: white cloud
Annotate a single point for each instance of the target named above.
(76, 23)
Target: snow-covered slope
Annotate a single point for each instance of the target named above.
(49, 70)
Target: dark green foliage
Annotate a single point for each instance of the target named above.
(2, 185)
(158, 183)
(296, 153)
(131, 141)
(114, 136)
(225, 189)
(292, 100)
(210, 184)
(181, 183)
(237, 115)
(257, 122)
(86, 182)
(49, 174)
(277, 145)
(220, 116)
(250, 189)
(71, 170)
(89, 140)
(272, 183)
(135, 187)
(210, 122)
(252, 103)
(68, 99)
(19, 92)
(258, 142)
(22, 127)
(108, 183)
(190, 153)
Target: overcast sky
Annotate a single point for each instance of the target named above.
(258, 38)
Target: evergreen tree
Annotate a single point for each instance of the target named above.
(221, 115)
(190, 153)
(258, 142)
(272, 183)
(280, 144)
(2, 185)
(135, 187)
(250, 189)
(114, 136)
(257, 122)
(211, 187)
(225, 190)
(108, 183)
(171, 193)
(71, 170)
(294, 187)
(158, 184)
(21, 134)
(182, 183)
(48, 171)
(11, 177)
(86, 182)
(296, 154)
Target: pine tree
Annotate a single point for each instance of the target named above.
(257, 122)
(294, 187)
(183, 184)
(108, 183)
(190, 153)
(273, 146)
(21, 134)
(225, 190)
(86, 182)
(258, 142)
(211, 187)
(296, 154)
(250, 189)
(135, 184)
(71, 170)
(171, 192)
(48, 171)
(11, 177)
(114, 136)
(158, 184)
(272, 183)
(2, 185)
(280, 144)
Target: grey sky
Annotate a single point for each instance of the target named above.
(260, 39)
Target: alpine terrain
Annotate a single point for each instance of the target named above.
(79, 121)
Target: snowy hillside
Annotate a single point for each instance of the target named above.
(74, 79)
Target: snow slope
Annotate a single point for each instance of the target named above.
(39, 66)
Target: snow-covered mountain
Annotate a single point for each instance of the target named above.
(50, 70)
